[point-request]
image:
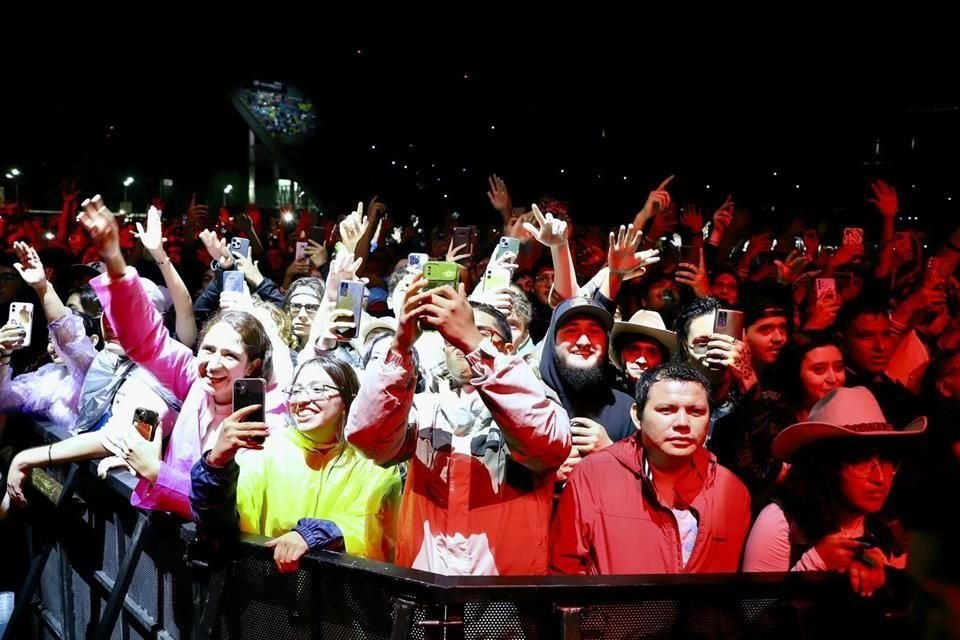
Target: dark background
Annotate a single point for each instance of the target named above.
(720, 98)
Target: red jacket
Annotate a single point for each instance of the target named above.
(609, 520)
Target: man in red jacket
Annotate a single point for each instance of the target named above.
(657, 502)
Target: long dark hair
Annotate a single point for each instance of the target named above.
(812, 493)
(256, 342)
(345, 379)
(792, 357)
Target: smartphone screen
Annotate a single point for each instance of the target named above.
(463, 237)
(233, 281)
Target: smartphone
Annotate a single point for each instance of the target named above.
(507, 245)
(21, 313)
(301, 252)
(318, 234)
(799, 244)
(463, 236)
(350, 297)
(439, 274)
(250, 391)
(729, 323)
(233, 281)
(935, 273)
(853, 235)
(415, 261)
(145, 421)
(240, 245)
(496, 278)
(825, 287)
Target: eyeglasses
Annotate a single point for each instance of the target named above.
(296, 308)
(315, 392)
(864, 468)
(493, 336)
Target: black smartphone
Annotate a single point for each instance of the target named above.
(463, 237)
(318, 234)
(250, 391)
(145, 421)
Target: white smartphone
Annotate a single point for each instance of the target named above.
(415, 261)
(301, 253)
(21, 313)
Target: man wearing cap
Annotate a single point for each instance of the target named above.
(826, 514)
(656, 502)
(641, 343)
(766, 325)
(574, 364)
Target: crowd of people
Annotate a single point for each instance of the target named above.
(685, 393)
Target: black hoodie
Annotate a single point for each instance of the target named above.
(604, 404)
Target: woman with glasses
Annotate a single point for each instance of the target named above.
(305, 487)
(828, 513)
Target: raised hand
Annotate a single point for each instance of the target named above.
(408, 315)
(449, 312)
(352, 228)
(664, 224)
(657, 201)
(152, 238)
(453, 252)
(622, 251)
(101, 225)
(499, 196)
(30, 267)
(550, 231)
(884, 199)
(723, 218)
(694, 276)
(142, 455)
(217, 248)
(691, 219)
(343, 267)
(726, 353)
(791, 268)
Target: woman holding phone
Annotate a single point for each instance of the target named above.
(306, 488)
(233, 345)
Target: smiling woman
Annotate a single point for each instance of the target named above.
(233, 345)
(307, 488)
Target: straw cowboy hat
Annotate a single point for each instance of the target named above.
(845, 412)
(646, 323)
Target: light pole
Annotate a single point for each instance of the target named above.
(226, 190)
(14, 174)
(126, 183)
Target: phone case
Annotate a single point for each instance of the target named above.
(240, 246)
(507, 245)
(145, 421)
(463, 236)
(441, 273)
(233, 281)
(249, 391)
(350, 297)
(825, 286)
(729, 323)
(318, 234)
(22, 314)
(496, 278)
(852, 235)
(301, 253)
(415, 261)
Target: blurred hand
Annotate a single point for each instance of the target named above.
(694, 276)
(549, 231)
(824, 312)
(30, 267)
(837, 551)
(141, 454)
(657, 201)
(101, 225)
(449, 312)
(884, 199)
(152, 238)
(692, 220)
(499, 196)
(352, 228)
(588, 436)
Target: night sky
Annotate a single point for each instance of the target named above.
(566, 103)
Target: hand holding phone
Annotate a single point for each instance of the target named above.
(729, 323)
(350, 298)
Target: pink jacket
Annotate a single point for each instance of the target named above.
(140, 331)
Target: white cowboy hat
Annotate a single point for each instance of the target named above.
(643, 322)
(843, 413)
